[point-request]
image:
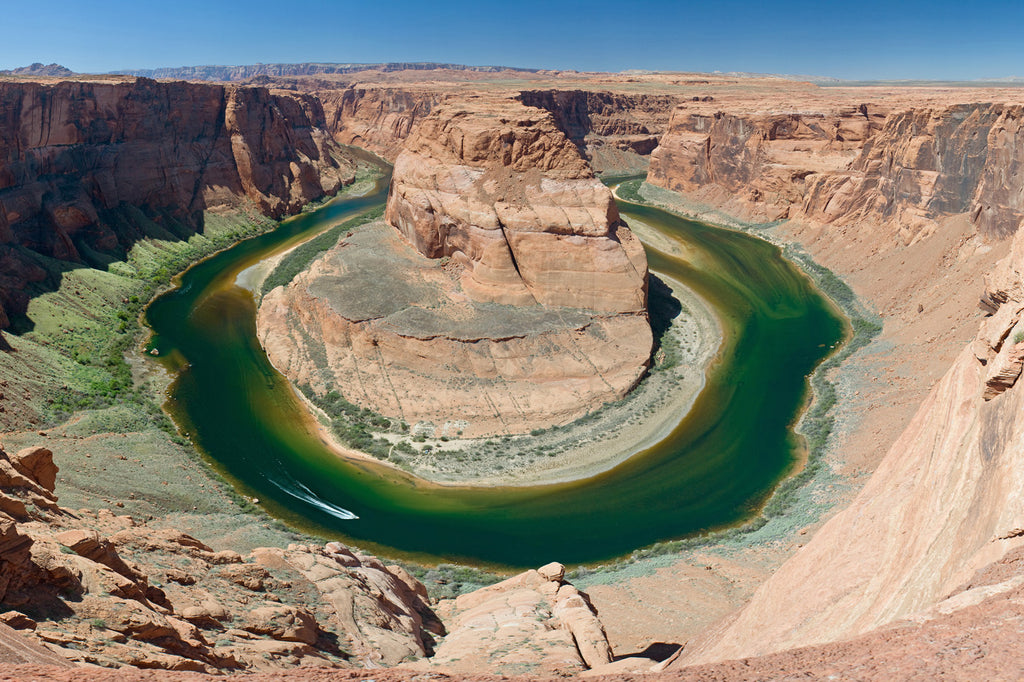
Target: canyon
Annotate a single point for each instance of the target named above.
(913, 196)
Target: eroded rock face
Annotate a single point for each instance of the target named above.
(535, 622)
(74, 154)
(378, 119)
(501, 191)
(945, 503)
(755, 165)
(615, 131)
(929, 163)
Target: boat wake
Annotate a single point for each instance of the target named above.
(301, 492)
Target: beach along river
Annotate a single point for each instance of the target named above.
(715, 469)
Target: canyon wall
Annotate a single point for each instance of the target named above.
(902, 171)
(754, 164)
(945, 503)
(926, 164)
(511, 296)
(616, 132)
(378, 119)
(74, 153)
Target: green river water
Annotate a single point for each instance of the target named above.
(715, 469)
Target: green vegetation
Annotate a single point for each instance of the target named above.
(356, 426)
(447, 581)
(1018, 337)
(302, 255)
(86, 326)
(630, 191)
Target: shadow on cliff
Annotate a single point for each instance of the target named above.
(28, 273)
(662, 308)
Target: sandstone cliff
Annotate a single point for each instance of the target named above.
(755, 164)
(615, 131)
(944, 504)
(74, 154)
(378, 119)
(928, 163)
(529, 309)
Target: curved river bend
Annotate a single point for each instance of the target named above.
(715, 468)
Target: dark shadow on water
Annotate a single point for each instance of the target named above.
(663, 309)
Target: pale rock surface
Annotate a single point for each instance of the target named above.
(216, 610)
(531, 623)
(945, 503)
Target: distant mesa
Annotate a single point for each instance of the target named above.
(39, 69)
(244, 72)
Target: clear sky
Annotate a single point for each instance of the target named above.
(867, 39)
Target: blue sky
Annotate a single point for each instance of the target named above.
(868, 39)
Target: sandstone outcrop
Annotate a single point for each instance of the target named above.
(528, 310)
(926, 164)
(534, 622)
(502, 192)
(74, 154)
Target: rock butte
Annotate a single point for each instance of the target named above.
(913, 195)
(531, 310)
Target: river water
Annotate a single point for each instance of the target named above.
(715, 469)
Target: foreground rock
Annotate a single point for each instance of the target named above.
(104, 589)
(535, 622)
(529, 308)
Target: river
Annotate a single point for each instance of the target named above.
(715, 469)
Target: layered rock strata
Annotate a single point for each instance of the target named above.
(903, 172)
(926, 164)
(378, 119)
(501, 192)
(73, 155)
(516, 300)
(755, 164)
(614, 131)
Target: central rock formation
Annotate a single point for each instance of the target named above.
(530, 311)
(514, 204)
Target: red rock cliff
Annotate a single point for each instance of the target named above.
(926, 164)
(378, 119)
(754, 164)
(72, 151)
